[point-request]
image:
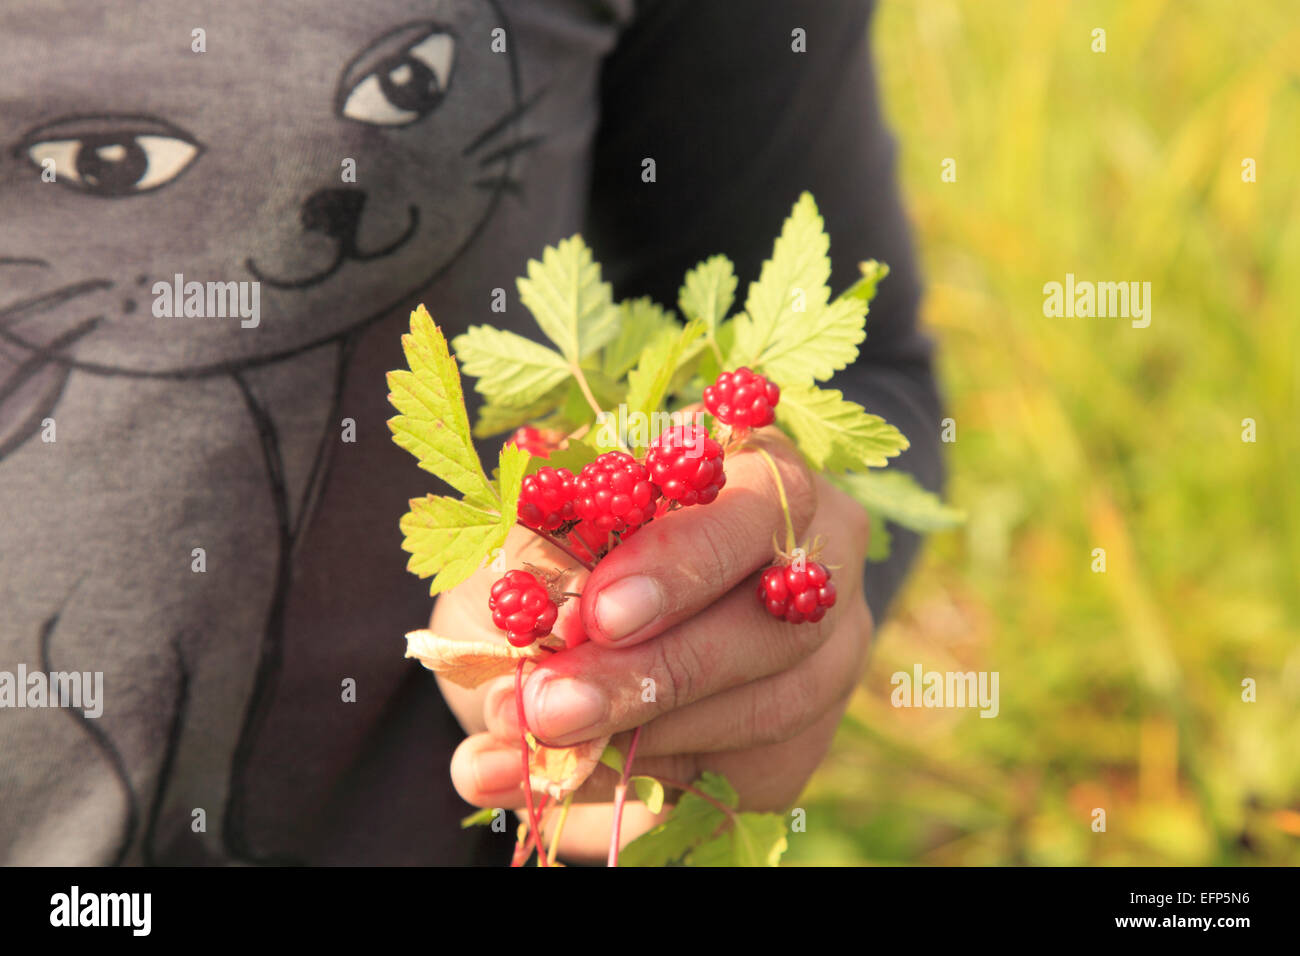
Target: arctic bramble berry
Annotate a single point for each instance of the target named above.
(797, 595)
(546, 498)
(522, 608)
(686, 465)
(535, 441)
(615, 493)
(742, 398)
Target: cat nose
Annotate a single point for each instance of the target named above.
(335, 212)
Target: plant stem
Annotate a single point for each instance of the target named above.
(559, 828)
(620, 798)
(586, 390)
(523, 743)
(563, 546)
(785, 505)
(687, 788)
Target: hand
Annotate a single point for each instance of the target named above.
(734, 689)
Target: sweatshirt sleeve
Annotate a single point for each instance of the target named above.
(739, 121)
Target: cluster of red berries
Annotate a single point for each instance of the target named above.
(743, 399)
(616, 494)
(797, 593)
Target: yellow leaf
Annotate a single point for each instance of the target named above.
(561, 770)
(466, 663)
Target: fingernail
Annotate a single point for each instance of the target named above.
(564, 707)
(628, 605)
(497, 770)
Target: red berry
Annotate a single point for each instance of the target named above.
(546, 498)
(615, 493)
(535, 441)
(742, 398)
(686, 464)
(797, 595)
(521, 607)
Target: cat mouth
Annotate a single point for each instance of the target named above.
(336, 213)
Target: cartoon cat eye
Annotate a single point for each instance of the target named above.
(400, 78)
(111, 156)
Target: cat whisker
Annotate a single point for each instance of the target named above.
(49, 300)
(502, 123)
(37, 360)
(510, 149)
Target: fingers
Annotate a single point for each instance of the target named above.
(687, 559)
(590, 691)
(768, 710)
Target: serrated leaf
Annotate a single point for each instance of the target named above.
(480, 818)
(612, 758)
(865, 288)
(692, 822)
(449, 539)
(648, 382)
(900, 498)
(835, 434)
(708, 292)
(567, 298)
(753, 839)
(512, 462)
(650, 792)
(433, 424)
(795, 274)
(815, 346)
(510, 369)
(466, 664)
(640, 321)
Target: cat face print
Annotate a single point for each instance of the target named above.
(339, 156)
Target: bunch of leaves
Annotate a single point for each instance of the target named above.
(636, 355)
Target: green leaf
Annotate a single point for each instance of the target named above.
(640, 322)
(880, 541)
(648, 382)
(571, 304)
(612, 758)
(512, 463)
(790, 330)
(495, 419)
(897, 496)
(433, 424)
(480, 818)
(511, 370)
(573, 457)
(650, 792)
(816, 345)
(835, 434)
(753, 839)
(865, 288)
(449, 539)
(692, 822)
(708, 293)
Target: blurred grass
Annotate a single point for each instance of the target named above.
(1119, 690)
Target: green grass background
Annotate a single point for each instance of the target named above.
(1120, 690)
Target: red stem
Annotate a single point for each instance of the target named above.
(524, 849)
(686, 787)
(620, 798)
(550, 539)
(523, 743)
